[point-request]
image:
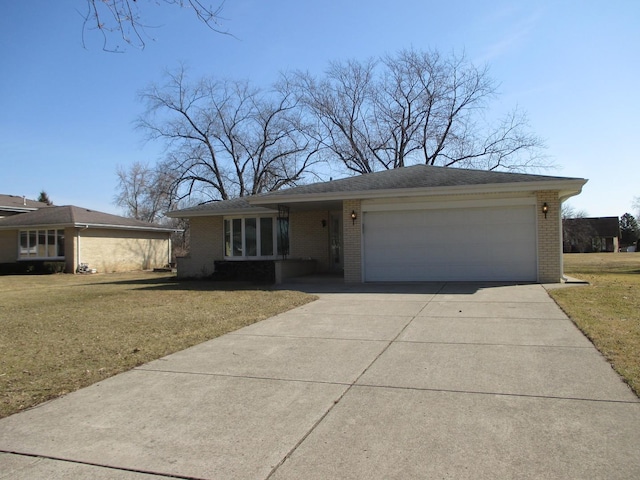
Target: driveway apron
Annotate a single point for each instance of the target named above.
(438, 380)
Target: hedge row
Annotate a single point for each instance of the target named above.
(31, 268)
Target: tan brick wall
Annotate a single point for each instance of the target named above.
(308, 238)
(352, 233)
(8, 246)
(549, 238)
(70, 257)
(121, 250)
(206, 246)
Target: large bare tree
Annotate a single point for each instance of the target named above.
(415, 107)
(125, 19)
(227, 139)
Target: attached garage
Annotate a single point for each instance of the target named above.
(496, 243)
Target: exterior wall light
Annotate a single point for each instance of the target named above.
(354, 215)
(545, 209)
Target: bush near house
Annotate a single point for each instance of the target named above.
(31, 267)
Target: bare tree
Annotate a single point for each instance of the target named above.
(123, 19)
(416, 107)
(342, 105)
(227, 139)
(568, 211)
(144, 192)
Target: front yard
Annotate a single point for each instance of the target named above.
(59, 333)
(608, 309)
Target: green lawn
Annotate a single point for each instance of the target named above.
(608, 309)
(60, 333)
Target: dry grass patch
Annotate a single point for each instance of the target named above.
(608, 309)
(63, 332)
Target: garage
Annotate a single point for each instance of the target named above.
(486, 243)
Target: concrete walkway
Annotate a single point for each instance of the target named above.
(460, 381)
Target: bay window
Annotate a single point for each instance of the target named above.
(253, 237)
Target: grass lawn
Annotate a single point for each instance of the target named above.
(59, 333)
(608, 309)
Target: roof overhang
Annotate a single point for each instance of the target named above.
(267, 204)
(221, 212)
(565, 188)
(90, 225)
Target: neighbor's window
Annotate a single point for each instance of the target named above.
(41, 244)
(251, 237)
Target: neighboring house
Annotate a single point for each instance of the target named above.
(419, 223)
(13, 205)
(597, 234)
(75, 236)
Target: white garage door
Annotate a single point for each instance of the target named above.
(470, 244)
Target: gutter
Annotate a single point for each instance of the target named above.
(570, 187)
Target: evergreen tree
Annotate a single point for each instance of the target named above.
(629, 231)
(44, 198)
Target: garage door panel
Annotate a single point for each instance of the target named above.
(471, 244)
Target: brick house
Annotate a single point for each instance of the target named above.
(75, 236)
(418, 223)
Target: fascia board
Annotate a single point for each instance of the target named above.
(571, 187)
(126, 227)
(222, 212)
(89, 225)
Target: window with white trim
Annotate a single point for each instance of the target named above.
(37, 244)
(253, 237)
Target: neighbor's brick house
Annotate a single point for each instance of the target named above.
(75, 235)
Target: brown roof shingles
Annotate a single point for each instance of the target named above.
(413, 177)
(69, 215)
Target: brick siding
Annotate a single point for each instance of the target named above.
(549, 238)
(206, 247)
(120, 250)
(352, 234)
(8, 246)
(309, 238)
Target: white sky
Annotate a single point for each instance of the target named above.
(67, 112)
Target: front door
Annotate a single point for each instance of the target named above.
(336, 262)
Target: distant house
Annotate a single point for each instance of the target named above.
(13, 205)
(585, 235)
(75, 236)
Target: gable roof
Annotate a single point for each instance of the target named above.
(71, 216)
(14, 203)
(406, 181)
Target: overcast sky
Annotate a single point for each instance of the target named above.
(67, 110)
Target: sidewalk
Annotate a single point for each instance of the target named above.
(464, 381)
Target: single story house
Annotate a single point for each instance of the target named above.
(591, 234)
(75, 236)
(14, 205)
(417, 223)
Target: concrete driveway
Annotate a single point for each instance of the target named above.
(461, 381)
